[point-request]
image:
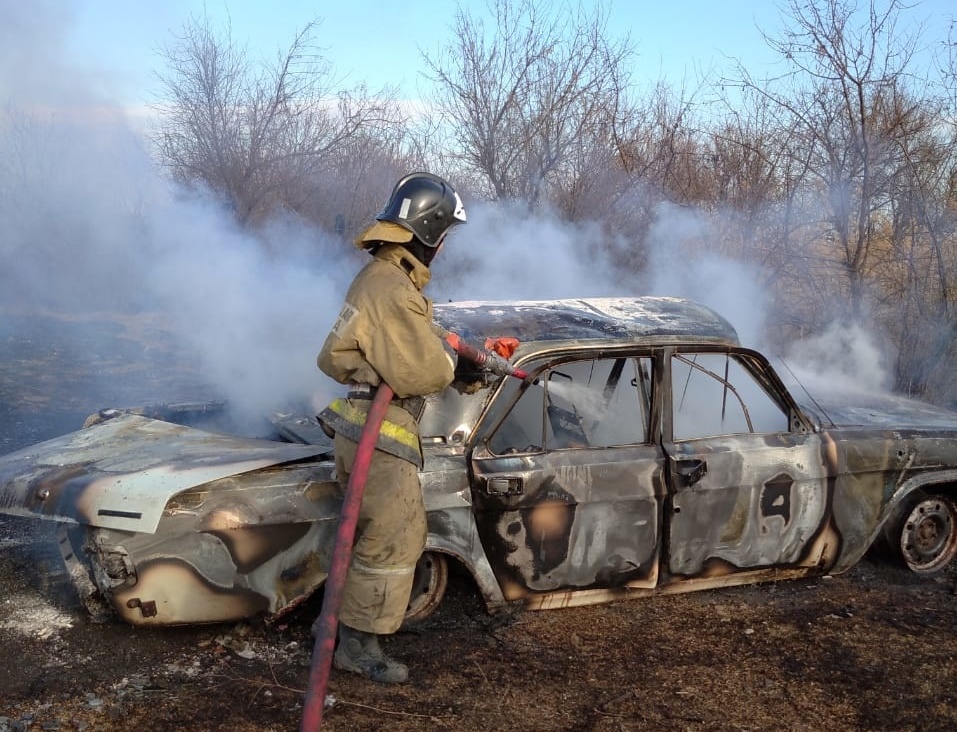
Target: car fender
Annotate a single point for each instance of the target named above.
(905, 490)
(464, 545)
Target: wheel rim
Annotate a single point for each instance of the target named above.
(428, 586)
(929, 535)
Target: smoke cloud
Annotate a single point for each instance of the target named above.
(88, 223)
(505, 252)
(683, 264)
(843, 359)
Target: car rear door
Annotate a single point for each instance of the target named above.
(747, 484)
(567, 486)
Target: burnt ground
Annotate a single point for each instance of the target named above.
(873, 649)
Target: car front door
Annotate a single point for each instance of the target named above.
(567, 487)
(747, 485)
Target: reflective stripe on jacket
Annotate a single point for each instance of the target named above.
(347, 417)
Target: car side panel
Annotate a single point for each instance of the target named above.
(451, 521)
(760, 501)
(580, 519)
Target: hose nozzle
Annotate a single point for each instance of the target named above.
(488, 360)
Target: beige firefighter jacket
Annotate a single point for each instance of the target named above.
(385, 332)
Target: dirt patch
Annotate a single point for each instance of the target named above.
(870, 650)
(874, 649)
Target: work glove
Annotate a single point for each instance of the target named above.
(504, 347)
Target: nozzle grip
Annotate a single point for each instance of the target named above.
(488, 360)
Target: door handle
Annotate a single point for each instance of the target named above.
(691, 470)
(505, 485)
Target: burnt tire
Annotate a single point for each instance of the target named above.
(924, 535)
(71, 540)
(428, 586)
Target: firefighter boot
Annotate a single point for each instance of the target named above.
(359, 652)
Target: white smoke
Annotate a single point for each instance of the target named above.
(506, 252)
(94, 240)
(88, 223)
(255, 320)
(845, 358)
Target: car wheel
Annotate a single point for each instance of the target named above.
(428, 586)
(927, 533)
(71, 540)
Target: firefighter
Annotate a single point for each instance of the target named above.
(385, 333)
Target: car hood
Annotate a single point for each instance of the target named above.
(121, 473)
(851, 409)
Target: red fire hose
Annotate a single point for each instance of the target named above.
(341, 555)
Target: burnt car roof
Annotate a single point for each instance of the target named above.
(586, 319)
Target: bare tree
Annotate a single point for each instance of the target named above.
(656, 142)
(258, 134)
(871, 166)
(354, 180)
(521, 97)
(845, 65)
(920, 301)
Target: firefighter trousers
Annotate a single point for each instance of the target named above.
(390, 537)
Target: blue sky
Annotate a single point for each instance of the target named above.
(380, 42)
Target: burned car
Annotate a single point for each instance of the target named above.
(646, 451)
